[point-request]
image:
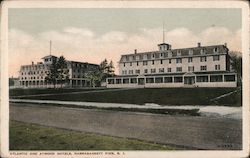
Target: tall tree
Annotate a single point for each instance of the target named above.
(111, 69)
(53, 73)
(63, 72)
(236, 64)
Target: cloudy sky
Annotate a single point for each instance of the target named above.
(91, 35)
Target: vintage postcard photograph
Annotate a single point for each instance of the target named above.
(124, 79)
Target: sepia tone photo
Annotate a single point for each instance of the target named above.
(128, 79)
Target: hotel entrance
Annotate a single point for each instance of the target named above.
(190, 80)
(141, 81)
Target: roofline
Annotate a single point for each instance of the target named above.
(175, 49)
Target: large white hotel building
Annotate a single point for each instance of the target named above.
(33, 75)
(200, 66)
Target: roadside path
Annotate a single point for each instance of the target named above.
(224, 111)
(195, 132)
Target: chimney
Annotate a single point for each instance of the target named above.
(135, 51)
(225, 44)
(32, 62)
(199, 44)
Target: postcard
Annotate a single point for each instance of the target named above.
(124, 79)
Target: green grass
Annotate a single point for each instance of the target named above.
(161, 96)
(25, 136)
(235, 98)
(20, 92)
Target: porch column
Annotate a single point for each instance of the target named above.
(223, 78)
(154, 79)
(208, 78)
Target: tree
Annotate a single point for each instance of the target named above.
(111, 69)
(52, 74)
(106, 69)
(58, 72)
(94, 77)
(236, 64)
(63, 72)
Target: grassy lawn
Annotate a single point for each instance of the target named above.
(18, 92)
(25, 136)
(162, 96)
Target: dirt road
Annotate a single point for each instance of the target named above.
(195, 132)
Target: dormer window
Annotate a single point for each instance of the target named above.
(127, 58)
(153, 55)
(170, 54)
(216, 50)
(191, 52)
(178, 52)
(203, 51)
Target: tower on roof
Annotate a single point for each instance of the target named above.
(164, 46)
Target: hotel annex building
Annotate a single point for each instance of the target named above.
(201, 66)
(33, 76)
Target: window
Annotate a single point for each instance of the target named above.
(133, 80)
(191, 51)
(127, 59)
(169, 61)
(153, 62)
(216, 49)
(130, 72)
(177, 79)
(161, 70)
(229, 78)
(149, 80)
(145, 63)
(169, 69)
(145, 71)
(130, 63)
(216, 78)
(190, 59)
(110, 81)
(161, 54)
(118, 81)
(125, 80)
(137, 63)
(159, 80)
(201, 78)
(124, 64)
(203, 51)
(179, 69)
(124, 72)
(148, 56)
(153, 70)
(153, 55)
(203, 59)
(216, 58)
(190, 68)
(161, 61)
(217, 67)
(168, 79)
(133, 57)
(203, 68)
(178, 60)
(137, 71)
(178, 52)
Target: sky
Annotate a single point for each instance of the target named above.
(91, 35)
